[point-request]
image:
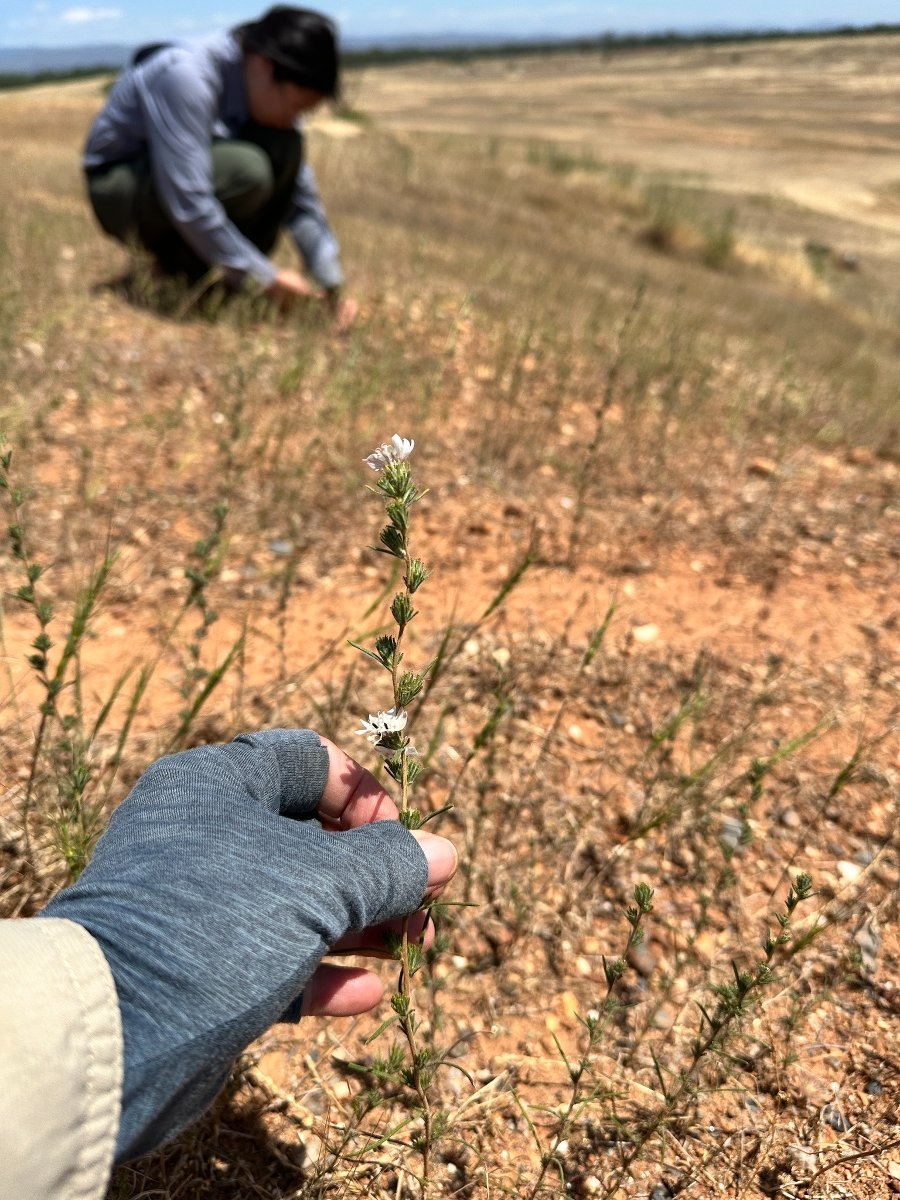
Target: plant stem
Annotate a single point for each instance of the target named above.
(407, 1022)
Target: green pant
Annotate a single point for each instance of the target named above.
(253, 180)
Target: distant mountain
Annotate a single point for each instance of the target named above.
(33, 60)
(37, 60)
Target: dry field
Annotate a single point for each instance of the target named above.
(640, 314)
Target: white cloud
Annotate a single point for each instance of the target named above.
(84, 16)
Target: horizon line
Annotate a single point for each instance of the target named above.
(458, 41)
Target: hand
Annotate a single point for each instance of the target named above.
(219, 884)
(353, 797)
(344, 310)
(290, 288)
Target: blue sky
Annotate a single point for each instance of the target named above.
(79, 22)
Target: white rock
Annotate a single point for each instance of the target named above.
(848, 871)
(645, 633)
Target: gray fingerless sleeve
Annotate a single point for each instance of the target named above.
(213, 904)
(294, 768)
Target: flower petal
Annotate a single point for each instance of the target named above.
(398, 449)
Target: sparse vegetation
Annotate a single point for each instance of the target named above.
(662, 514)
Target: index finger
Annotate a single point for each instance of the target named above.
(352, 796)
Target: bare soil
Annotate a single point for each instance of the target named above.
(751, 577)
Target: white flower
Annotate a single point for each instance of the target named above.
(398, 449)
(379, 724)
(390, 751)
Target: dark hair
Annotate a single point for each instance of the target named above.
(300, 44)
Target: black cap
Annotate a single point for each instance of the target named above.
(301, 43)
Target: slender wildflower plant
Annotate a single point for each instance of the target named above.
(587, 1085)
(78, 825)
(720, 1024)
(388, 732)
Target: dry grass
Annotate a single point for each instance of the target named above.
(710, 453)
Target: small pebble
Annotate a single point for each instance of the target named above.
(645, 633)
(803, 1160)
(641, 566)
(313, 1147)
(731, 832)
(835, 1118)
(663, 1018)
(848, 871)
(641, 958)
(764, 467)
(868, 943)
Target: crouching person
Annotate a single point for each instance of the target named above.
(198, 156)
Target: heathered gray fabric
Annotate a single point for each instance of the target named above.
(214, 893)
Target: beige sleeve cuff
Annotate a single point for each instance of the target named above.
(60, 1062)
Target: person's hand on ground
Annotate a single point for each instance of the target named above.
(221, 881)
(344, 310)
(290, 288)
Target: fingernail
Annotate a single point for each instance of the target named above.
(441, 855)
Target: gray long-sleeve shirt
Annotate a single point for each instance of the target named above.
(173, 105)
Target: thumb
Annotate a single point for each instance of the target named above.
(383, 871)
(442, 860)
